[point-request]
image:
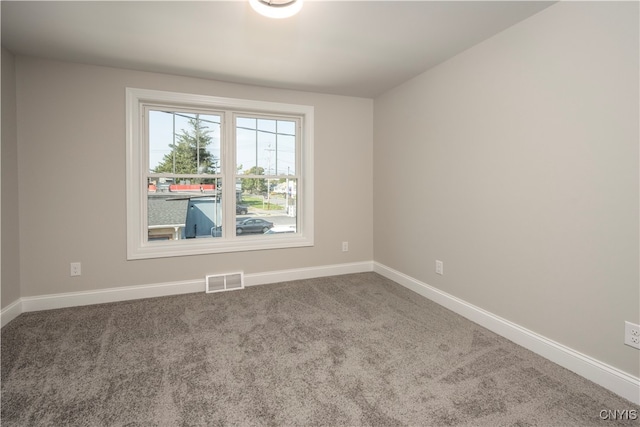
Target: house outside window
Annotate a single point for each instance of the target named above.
(209, 174)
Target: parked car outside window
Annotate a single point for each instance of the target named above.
(252, 225)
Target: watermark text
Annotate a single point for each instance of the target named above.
(618, 414)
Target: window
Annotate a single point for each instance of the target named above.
(208, 174)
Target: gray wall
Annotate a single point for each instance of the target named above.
(71, 146)
(516, 163)
(10, 280)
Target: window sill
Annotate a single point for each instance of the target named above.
(207, 246)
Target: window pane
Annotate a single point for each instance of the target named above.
(286, 155)
(259, 210)
(246, 145)
(265, 146)
(246, 150)
(184, 208)
(184, 143)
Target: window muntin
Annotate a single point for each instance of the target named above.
(223, 134)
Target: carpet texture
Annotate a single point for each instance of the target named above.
(339, 351)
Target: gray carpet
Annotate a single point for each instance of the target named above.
(340, 351)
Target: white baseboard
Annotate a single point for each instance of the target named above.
(306, 273)
(600, 373)
(101, 296)
(10, 312)
(76, 299)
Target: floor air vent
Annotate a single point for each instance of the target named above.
(224, 282)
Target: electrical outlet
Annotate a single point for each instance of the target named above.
(439, 267)
(632, 335)
(345, 246)
(75, 269)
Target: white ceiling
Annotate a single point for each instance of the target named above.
(356, 48)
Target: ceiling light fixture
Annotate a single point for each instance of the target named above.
(276, 8)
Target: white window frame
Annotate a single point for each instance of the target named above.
(138, 246)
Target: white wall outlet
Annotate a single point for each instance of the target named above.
(345, 246)
(632, 335)
(75, 269)
(439, 267)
